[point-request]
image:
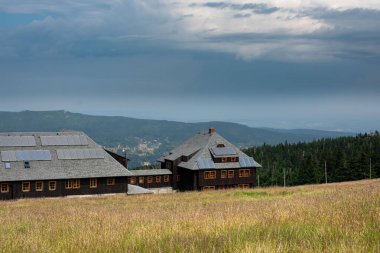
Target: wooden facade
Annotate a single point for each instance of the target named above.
(195, 180)
(205, 162)
(232, 169)
(60, 188)
(226, 179)
(54, 164)
(151, 181)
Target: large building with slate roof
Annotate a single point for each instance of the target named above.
(57, 164)
(207, 161)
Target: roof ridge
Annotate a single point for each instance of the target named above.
(205, 147)
(201, 143)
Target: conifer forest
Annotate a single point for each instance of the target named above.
(331, 160)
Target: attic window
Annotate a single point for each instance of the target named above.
(27, 165)
(220, 145)
(7, 165)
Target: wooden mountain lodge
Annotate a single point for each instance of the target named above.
(54, 164)
(207, 161)
(57, 164)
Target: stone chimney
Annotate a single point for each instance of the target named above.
(211, 130)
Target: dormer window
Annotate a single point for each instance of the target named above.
(223, 151)
(220, 145)
(27, 165)
(7, 165)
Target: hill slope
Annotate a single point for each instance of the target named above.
(315, 218)
(146, 139)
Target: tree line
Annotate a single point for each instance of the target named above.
(337, 160)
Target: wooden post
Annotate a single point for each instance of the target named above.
(284, 179)
(258, 180)
(325, 172)
(370, 168)
(126, 159)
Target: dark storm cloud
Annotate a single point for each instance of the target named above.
(115, 30)
(146, 52)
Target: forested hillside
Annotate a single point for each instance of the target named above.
(346, 158)
(145, 140)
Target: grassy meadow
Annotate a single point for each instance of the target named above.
(341, 217)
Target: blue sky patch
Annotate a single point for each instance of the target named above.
(12, 20)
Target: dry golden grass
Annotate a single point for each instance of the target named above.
(320, 218)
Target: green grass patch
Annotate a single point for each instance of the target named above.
(317, 218)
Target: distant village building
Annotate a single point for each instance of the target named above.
(57, 164)
(207, 161)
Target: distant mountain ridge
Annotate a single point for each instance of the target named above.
(145, 140)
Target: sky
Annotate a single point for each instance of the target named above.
(283, 64)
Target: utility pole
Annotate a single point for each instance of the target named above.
(325, 172)
(284, 179)
(370, 168)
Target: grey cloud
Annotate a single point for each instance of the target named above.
(354, 33)
(219, 5)
(246, 15)
(351, 21)
(256, 8)
(348, 13)
(122, 29)
(96, 31)
(190, 74)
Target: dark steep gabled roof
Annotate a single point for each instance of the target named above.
(201, 147)
(55, 155)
